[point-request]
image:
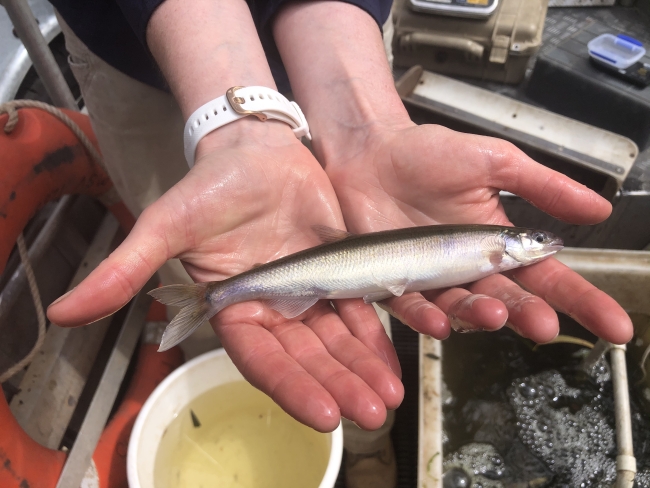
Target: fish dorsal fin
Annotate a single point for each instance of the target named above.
(493, 247)
(290, 307)
(329, 234)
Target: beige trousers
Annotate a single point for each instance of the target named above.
(140, 134)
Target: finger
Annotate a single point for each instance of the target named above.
(550, 191)
(361, 320)
(468, 312)
(352, 353)
(571, 294)
(529, 315)
(419, 314)
(118, 278)
(357, 401)
(262, 360)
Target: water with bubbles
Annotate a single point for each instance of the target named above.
(515, 417)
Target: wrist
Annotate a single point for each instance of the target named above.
(246, 133)
(205, 48)
(240, 103)
(348, 95)
(360, 117)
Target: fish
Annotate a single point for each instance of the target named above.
(373, 266)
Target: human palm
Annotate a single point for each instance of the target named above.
(240, 206)
(424, 175)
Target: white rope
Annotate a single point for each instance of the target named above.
(10, 108)
(40, 313)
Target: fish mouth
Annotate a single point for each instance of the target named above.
(552, 247)
(555, 245)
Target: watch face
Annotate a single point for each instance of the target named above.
(457, 8)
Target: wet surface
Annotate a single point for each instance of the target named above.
(515, 417)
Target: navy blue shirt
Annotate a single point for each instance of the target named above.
(115, 30)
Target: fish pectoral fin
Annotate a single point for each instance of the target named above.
(329, 234)
(290, 307)
(493, 247)
(377, 296)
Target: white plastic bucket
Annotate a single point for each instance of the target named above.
(177, 390)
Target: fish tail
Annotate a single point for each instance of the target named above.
(197, 308)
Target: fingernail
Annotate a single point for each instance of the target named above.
(461, 326)
(464, 303)
(62, 297)
(384, 358)
(470, 299)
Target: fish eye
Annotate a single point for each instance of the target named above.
(538, 236)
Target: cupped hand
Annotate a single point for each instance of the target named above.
(424, 175)
(246, 202)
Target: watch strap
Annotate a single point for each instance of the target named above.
(262, 102)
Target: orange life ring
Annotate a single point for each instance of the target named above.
(152, 367)
(41, 161)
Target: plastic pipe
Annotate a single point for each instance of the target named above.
(27, 29)
(625, 460)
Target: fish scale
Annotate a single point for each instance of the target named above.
(374, 266)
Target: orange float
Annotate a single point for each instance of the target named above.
(152, 367)
(41, 161)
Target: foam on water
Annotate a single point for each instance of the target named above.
(516, 418)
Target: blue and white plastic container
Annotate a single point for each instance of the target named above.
(619, 51)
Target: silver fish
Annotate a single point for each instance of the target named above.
(374, 266)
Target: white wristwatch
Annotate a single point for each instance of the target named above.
(264, 103)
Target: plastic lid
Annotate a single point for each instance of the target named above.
(619, 51)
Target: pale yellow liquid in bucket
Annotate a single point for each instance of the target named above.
(245, 441)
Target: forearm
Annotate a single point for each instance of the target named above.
(205, 47)
(335, 58)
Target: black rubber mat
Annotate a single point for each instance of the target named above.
(405, 430)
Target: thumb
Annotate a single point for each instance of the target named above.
(118, 278)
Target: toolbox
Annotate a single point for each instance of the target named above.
(497, 47)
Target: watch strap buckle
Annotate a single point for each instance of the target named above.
(237, 102)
